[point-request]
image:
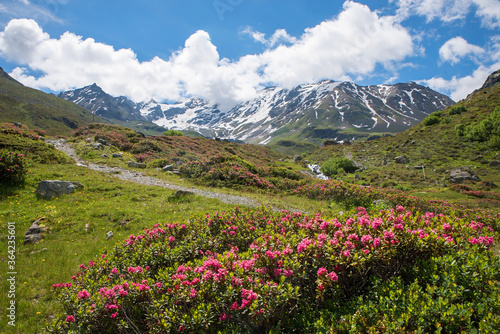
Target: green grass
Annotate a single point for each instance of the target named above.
(103, 204)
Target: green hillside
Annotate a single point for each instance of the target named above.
(464, 135)
(39, 110)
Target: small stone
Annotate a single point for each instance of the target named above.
(118, 155)
(98, 146)
(133, 164)
(182, 193)
(458, 175)
(34, 234)
(109, 235)
(402, 159)
(168, 168)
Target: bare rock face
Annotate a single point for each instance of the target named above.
(54, 188)
(461, 174)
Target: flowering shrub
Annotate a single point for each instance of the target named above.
(23, 131)
(12, 168)
(254, 271)
(453, 293)
(229, 172)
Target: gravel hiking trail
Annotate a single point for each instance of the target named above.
(133, 176)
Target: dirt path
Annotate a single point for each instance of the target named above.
(133, 176)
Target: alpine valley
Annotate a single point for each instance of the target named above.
(312, 113)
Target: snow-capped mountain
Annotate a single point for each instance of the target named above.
(100, 103)
(313, 112)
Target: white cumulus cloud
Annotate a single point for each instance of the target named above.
(456, 48)
(459, 87)
(280, 36)
(450, 10)
(352, 44)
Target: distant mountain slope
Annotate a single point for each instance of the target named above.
(117, 110)
(39, 110)
(308, 112)
(331, 110)
(438, 146)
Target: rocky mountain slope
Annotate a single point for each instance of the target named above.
(118, 110)
(465, 136)
(313, 112)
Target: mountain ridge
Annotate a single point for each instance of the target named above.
(312, 112)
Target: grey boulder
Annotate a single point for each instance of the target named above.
(55, 188)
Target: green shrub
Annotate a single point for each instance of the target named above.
(431, 120)
(486, 130)
(457, 110)
(494, 142)
(169, 133)
(284, 173)
(338, 165)
(146, 146)
(455, 293)
(12, 168)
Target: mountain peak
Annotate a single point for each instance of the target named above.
(492, 80)
(5, 75)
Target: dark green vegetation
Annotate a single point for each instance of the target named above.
(335, 166)
(39, 110)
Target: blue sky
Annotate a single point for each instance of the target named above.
(227, 50)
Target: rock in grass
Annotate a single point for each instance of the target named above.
(461, 174)
(182, 193)
(54, 188)
(34, 234)
(136, 164)
(168, 168)
(402, 159)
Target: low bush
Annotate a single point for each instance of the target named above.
(431, 120)
(169, 133)
(454, 293)
(486, 130)
(338, 165)
(457, 110)
(13, 168)
(261, 271)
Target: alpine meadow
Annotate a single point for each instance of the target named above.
(240, 167)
